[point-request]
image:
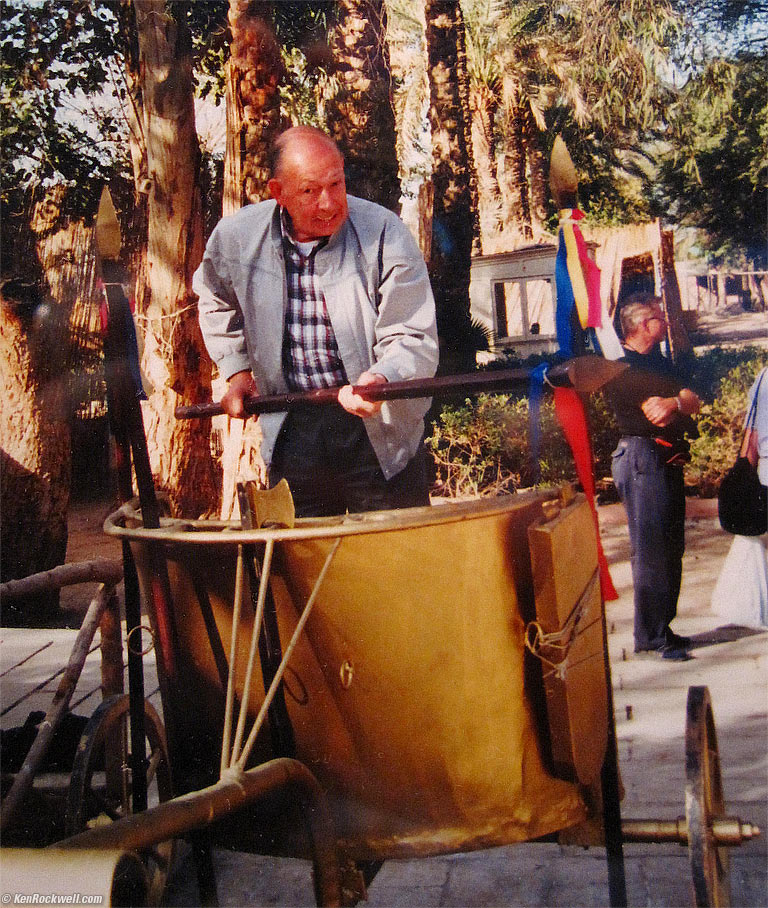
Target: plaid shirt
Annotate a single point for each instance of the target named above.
(310, 354)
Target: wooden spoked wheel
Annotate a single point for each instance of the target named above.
(704, 803)
(101, 790)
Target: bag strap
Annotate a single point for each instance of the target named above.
(751, 417)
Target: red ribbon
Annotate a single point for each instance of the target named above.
(572, 417)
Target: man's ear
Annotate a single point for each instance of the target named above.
(275, 188)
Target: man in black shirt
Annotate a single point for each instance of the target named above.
(653, 410)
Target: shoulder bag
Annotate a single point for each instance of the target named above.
(742, 500)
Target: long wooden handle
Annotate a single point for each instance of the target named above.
(472, 383)
(584, 373)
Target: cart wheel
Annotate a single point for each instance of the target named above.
(100, 789)
(704, 802)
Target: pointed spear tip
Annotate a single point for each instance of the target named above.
(108, 238)
(563, 180)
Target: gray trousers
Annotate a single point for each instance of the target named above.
(653, 493)
(326, 457)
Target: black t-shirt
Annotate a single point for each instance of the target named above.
(650, 375)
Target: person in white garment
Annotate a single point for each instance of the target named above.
(741, 592)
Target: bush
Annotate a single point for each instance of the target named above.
(721, 420)
(482, 447)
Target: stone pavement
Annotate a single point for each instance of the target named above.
(650, 707)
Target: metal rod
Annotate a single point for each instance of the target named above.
(263, 582)
(197, 810)
(725, 831)
(230, 701)
(288, 652)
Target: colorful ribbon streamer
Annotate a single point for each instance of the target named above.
(573, 420)
(577, 280)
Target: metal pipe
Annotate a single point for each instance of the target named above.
(198, 809)
(725, 831)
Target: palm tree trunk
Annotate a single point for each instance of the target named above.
(517, 211)
(254, 73)
(539, 190)
(360, 116)
(484, 104)
(455, 222)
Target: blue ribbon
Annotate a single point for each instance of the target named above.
(566, 301)
(535, 393)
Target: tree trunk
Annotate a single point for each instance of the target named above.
(174, 357)
(517, 213)
(537, 169)
(361, 116)
(679, 341)
(35, 409)
(455, 222)
(254, 73)
(484, 105)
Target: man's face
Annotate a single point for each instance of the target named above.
(656, 324)
(310, 186)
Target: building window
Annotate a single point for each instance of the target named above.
(524, 309)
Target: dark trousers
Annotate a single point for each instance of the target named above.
(325, 455)
(653, 494)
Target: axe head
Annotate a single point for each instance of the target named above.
(586, 374)
(265, 507)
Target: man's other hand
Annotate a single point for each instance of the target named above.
(240, 387)
(661, 411)
(355, 403)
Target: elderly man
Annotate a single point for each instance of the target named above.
(317, 289)
(653, 410)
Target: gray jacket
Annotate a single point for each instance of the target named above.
(379, 301)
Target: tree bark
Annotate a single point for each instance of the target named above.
(254, 73)
(679, 341)
(484, 105)
(517, 213)
(361, 116)
(35, 408)
(174, 359)
(455, 224)
(537, 168)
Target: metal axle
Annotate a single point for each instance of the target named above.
(725, 831)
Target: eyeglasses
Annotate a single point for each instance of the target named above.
(657, 318)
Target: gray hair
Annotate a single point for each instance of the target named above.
(637, 308)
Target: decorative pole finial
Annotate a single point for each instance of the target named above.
(563, 180)
(108, 237)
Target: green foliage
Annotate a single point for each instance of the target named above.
(721, 420)
(482, 447)
(715, 172)
(712, 366)
(47, 55)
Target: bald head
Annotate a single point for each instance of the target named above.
(308, 182)
(299, 140)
